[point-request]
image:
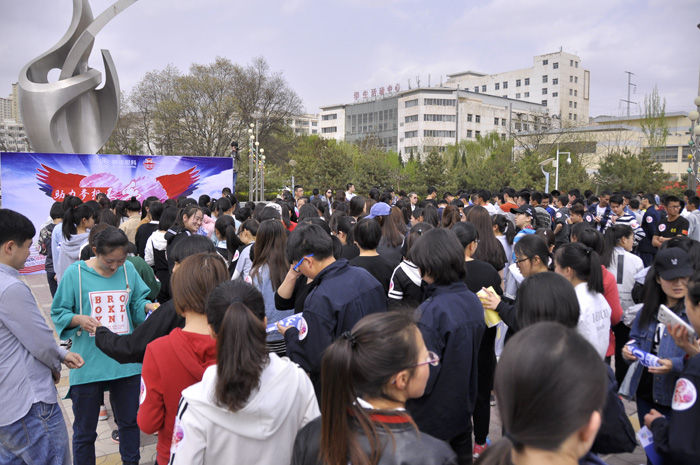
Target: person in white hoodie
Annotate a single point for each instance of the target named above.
(580, 265)
(248, 407)
(75, 229)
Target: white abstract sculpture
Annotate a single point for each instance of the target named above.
(70, 115)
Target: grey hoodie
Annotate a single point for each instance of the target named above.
(69, 253)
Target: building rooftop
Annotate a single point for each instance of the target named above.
(466, 73)
(612, 119)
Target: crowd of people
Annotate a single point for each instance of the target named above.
(339, 328)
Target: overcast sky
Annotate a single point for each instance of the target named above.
(328, 49)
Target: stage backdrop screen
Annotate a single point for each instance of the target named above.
(31, 182)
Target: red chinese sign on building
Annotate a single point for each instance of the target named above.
(374, 93)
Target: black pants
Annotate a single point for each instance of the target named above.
(622, 335)
(462, 445)
(485, 371)
(53, 285)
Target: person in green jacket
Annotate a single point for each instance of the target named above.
(105, 290)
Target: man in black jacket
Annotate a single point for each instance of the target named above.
(339, 297)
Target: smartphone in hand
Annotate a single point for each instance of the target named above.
(668, 317)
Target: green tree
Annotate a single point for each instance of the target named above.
(433, 171)
(322, 162)
(628, 171)
(654, 124)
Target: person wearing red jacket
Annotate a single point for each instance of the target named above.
(612, 295)
(176, 361)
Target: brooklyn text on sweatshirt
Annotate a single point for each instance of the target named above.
(118, 302)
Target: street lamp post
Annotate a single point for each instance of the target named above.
(546, 173)
(292, 163)
(251, 161)
(694, 116)
(568, 160)
(262, 175)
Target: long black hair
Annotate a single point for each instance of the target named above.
(548, 383)
(72, 217)
(490, 249)
(561, 304)
(611, 239)
(236, 312)
(584, 261)
(505, 227)
(361, 364)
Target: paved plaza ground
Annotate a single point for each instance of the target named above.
(108, 452)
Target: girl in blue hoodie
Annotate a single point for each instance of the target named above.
(103, 291)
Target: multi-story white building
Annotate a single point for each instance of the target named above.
(332, 122)
(5, 108)
(12, 135)
(303, 125)
(556, 80)
(431, 118)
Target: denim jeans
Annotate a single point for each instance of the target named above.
(39, 438)
(124, 397)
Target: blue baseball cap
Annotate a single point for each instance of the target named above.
(379, 209)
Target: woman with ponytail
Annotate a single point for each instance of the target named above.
(580, 265)
(368, 374)
(75, 229)
(619, 260)
(223, 224)
(248, 407)
(590, 237)
(504, 230)
(550, 388)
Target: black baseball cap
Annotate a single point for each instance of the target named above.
(672, 263)
(526, 209)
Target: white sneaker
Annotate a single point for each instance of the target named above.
(103, 413)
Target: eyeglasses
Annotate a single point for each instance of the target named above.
(296, 267)
(432, 360)
(522, 260)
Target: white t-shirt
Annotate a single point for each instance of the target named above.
(594, 321)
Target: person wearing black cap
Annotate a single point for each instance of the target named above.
(524, 222)
(666, 283)
(677, 437)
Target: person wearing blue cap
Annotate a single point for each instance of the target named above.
(379, 209)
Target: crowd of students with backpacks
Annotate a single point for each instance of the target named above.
(389, 355)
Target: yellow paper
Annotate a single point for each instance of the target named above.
(491, 317)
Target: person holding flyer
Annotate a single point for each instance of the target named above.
(103, 291)
(666, 283)
(677, 436)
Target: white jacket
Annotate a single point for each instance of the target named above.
(624, 266)
(594, 321)
(262, 432)
(156, 241)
